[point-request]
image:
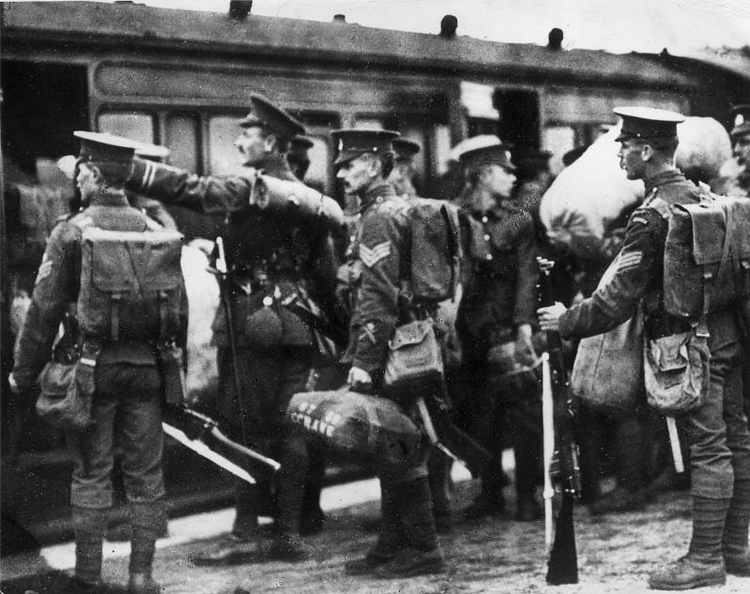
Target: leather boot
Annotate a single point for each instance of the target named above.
(689, 572)
(287, 547)
(619, 500)
(77, 586)
(229, 550)
(410, 563)
(143, 583)
(703, 565)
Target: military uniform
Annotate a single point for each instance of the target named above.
(272, 262)
(717, 431)
(370, 282)
(128, 389)
(499, 296)
(439, 463)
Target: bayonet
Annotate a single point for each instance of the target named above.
(202, 449)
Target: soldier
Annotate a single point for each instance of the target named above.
(439, 464)
(717, 430)
(407, 544)
(497, 309)
(298, 157)
(128, 385)
(272, 261)
(402, 176)
(740, 135)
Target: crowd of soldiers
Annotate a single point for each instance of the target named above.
(354, 279)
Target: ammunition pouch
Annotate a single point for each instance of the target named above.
(677, 372)
(67, 389)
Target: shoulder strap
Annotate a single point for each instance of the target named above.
(660, 206)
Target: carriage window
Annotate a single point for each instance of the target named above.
(135, 125)
(222, 154)
(182, 139)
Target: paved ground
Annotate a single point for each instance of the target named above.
(498, 556)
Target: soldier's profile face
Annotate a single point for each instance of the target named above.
(630, 155)
(741, 149)
(356, 174)
(251, 143)
(400, 177)
(86, 180)
(501, 181)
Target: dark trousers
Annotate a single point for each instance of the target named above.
(268, 379)
(718, 431)
(126, 411)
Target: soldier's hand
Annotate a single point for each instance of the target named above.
(549, 317)
(359, 378)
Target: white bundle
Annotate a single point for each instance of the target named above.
(704, 147)
(587, 196)
(203, 300)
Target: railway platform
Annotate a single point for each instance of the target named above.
(496, 555)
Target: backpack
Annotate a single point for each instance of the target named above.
(131, 284)
(435, 252)
(706, 254)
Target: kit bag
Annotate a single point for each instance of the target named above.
(360, 425)
(414, 356)
(706, 255)
(131, 284)
(435, 250)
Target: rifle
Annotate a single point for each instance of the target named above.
(201, 434)
(561, 451)
(221, 271)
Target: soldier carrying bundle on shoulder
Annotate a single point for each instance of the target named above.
(693, 361)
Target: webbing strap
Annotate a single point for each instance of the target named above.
(163, 315)
(709, 280)
(138, 269)
(115, 315)
(453, 248)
